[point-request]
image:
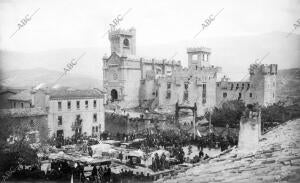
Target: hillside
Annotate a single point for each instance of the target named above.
(233, 53)
(32, 77)
(288, 80)
(288, 84)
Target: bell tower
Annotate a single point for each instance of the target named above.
(123, 42)
(198, 57)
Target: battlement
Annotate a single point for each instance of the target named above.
(127, 32)
(198, 49)
(155, 61)
(263, 69)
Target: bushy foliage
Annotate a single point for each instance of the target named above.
(19, 150)
(229, 113)
(279, 112)
(273, 113)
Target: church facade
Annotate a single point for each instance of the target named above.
(132, 81)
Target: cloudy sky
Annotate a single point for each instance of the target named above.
(60, 24)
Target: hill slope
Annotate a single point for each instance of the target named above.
(288, 84)
(32, 77)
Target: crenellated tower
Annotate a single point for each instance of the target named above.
(198, 57)
(263, 83)
(123, 42)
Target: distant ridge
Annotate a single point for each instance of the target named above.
(29, 78)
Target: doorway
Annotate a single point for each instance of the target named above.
(114, 95)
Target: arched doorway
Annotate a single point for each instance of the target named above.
(114, 95)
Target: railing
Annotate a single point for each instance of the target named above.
(76, 125)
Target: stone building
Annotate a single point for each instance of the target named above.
(31, 122)
(124, 72)
(5, 94)
(22, 99)
(75, 112)
(132, 81)
(260, 88)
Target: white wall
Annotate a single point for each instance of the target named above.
(69, 116)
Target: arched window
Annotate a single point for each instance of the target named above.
(114, 95)
(224, 95)
(126, 42)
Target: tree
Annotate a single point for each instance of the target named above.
(229, 113)
(19, 151)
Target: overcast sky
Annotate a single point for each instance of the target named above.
(82, 23)
(67, 24)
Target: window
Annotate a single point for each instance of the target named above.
(126, 42)
(78, 104)
(93, 129)
(14, 104)
(240, 96)
(95, 117)
(168, 85)
(194, 57)
(95, 103)
(78, 120)
(168, 94)
(96, 128)
(31, 123)
(204, 94)
(59, 106)
(237, 86)
(243, 85)
(186, 96)
(22, 105)
(186, 86)
(250, 95)
(231, 87)
(59, 118)
(205, 57)
(69, 104)
(86, 104)
(224, 95)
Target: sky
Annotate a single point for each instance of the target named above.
(82, 23)
(60, 24)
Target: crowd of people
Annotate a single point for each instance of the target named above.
(61, 169)
(159, 163)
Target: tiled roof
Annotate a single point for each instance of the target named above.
(22, 96)
(11, 90)
(70, 94)
(277, 160)
(22, 112)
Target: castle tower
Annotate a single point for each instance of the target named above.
(123, 42)
(263, 83)
(198, 57)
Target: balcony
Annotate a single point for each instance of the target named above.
(76, 125)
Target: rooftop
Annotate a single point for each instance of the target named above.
(22, 112)
(75, 94)
(278, 160)
(22, 96)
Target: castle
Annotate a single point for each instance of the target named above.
(132, 81)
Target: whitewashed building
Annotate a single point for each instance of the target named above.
(73, 112)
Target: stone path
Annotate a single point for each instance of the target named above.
(278, 160)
